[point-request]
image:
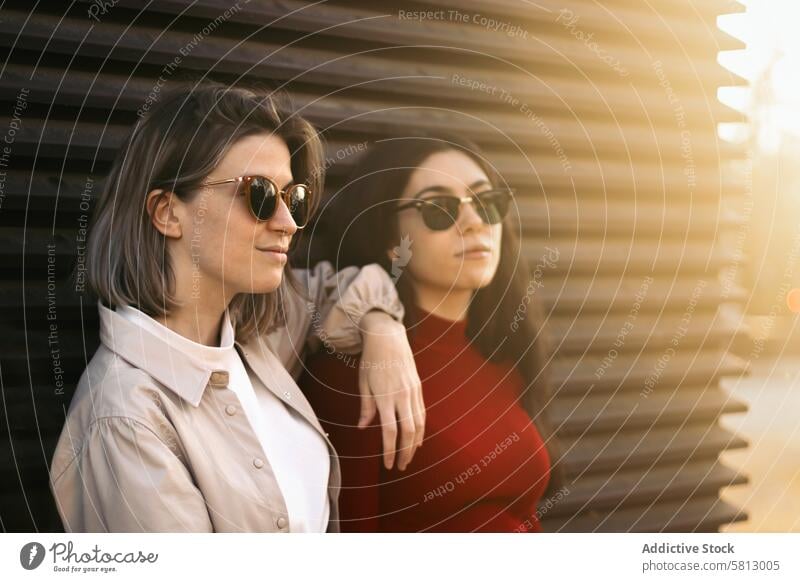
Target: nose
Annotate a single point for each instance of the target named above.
(468, 217)
(282, 221)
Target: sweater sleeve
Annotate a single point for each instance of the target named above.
(327, 312)
(330, 382)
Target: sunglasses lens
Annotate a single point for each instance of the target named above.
(299, 203)
(493, 206)
(440, 213)
(263, 197)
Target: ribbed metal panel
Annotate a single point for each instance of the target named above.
(602, 115)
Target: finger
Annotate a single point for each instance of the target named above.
(417, 414)
(420, 414)
(389, 432)
(368, 406)
(415, 421)
(368, 410)
(407, 435)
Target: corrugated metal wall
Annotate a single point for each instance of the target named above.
(603, 116)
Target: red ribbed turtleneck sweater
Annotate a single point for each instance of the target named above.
(482, 465)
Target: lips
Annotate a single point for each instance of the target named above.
(476, 248)
(275, 249)
(277, 252)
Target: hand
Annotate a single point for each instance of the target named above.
(389, 384)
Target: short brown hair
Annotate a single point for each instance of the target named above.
(175, 146)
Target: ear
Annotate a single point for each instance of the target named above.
(160, 205)
(392, 253)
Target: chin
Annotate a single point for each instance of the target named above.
(470, 283)
(476, 279)
(265, 283)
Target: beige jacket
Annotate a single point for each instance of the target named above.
(155, 443)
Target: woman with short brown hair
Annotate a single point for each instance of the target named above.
(188, 418)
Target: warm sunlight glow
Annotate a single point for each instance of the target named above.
(771, 63)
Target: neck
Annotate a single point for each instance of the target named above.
(449, 304)
(201, 308)
(195, 323)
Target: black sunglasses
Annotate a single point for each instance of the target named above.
(262, 195)
(441, 212)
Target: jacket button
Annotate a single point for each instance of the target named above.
(218, 379)
(258, 463)
(230, 409)
(281, 522)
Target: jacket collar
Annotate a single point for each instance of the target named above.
(188, 377)
(182, 374)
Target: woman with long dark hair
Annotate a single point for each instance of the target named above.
(435, 215)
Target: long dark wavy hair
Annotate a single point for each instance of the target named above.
(359, 226)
